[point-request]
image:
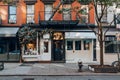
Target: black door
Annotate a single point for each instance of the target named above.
(58, 53)
(58, 50)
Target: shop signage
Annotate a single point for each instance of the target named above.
(80, 35)
(46, 36)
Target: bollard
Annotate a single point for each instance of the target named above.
(80, 66)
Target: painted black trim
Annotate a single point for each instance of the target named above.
(48, 1)
(94, 50)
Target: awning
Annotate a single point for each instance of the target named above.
(80, 35)
(8, 32)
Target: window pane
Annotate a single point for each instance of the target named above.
(30, 18)
(69, 45)
(66, 12)
(48, 11)
(12, 14)
(86, 44)
(12, 9)
(45, 46)
(112, 47)
(30, 13)
(77, 45)
(30, 9)
(83, 15)
(12, 19)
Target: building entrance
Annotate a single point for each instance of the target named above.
(58, 47)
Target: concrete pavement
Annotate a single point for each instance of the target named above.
(48, 69)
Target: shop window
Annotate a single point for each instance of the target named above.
(77, 45)
(111, 45)
(9, 49)
(86, 44)
(12, 14)
(30, 14)
(66, 12)
(48, 11)
(69, 45)
(30, 49)
(46, 47)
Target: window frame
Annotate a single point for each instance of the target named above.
(49, 13)
(12, 14)
(67, 12)
(83, 16)
(110, 39)
(30, 14)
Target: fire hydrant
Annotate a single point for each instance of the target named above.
(80, 66)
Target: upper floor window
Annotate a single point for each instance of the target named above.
(66, 12)
(30, 13)
(83, 16)
(48, 11)
(12, 14)
(104, 13)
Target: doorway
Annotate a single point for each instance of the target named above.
(58, 49)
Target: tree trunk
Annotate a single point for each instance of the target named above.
(101, 45)
(21, 53)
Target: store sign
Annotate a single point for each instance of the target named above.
(80, 35)
(46, 36)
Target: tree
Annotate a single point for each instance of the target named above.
(6, 1)
(26, 35)
(104, 5)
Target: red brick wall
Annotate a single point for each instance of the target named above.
(39, 7)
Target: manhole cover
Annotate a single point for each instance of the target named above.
(28, 79)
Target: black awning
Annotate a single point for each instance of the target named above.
(59, 23)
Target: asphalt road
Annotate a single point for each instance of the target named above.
(59, 77)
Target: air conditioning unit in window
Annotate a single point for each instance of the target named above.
(12, 21)
(30, 22)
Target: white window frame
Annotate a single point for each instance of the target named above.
(12, 14)
(104, 18)
(67, 14)
(84, 16)
(48, 11)
(30, 14)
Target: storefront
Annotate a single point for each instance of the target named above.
(9, 45)
(67, 42)
(79, 46)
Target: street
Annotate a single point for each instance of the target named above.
(59, 77)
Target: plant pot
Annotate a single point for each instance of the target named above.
(102, 69)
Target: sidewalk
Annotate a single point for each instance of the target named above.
(48, 69)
